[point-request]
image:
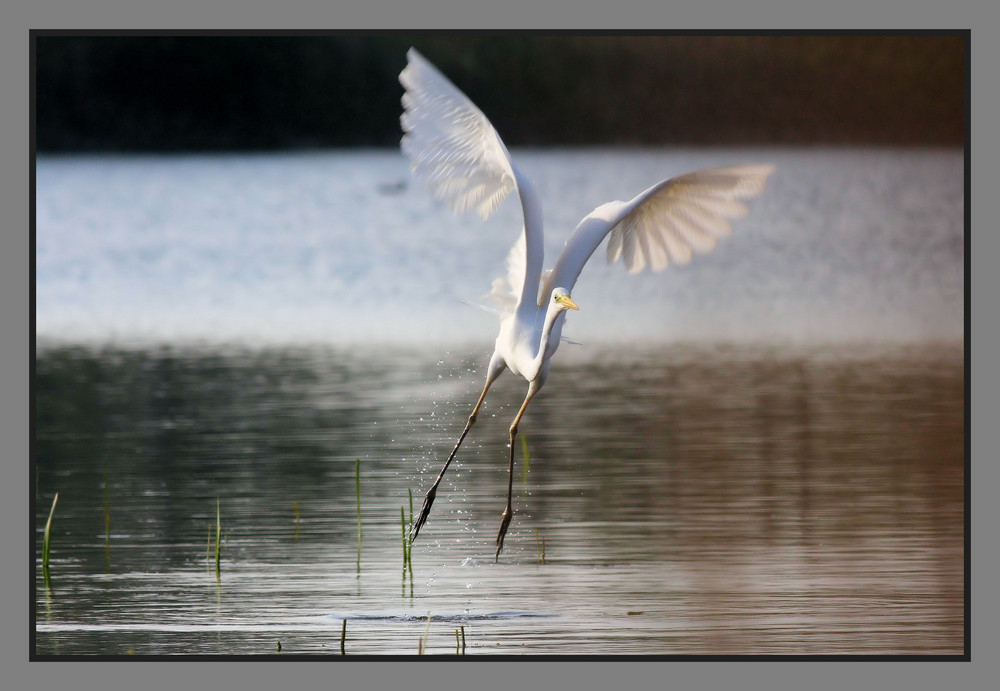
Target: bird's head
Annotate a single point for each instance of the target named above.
(562, 301)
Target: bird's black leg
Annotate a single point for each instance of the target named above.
(508, 512)
(494, 372)
(432, 492)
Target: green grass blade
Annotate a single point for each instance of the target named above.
(107, 524)
(47, 541)
(422, 644)
(357, 492)
(409, 545)
(402, 528)
(218, 537)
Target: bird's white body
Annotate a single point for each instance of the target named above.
(527, 341)
(453, 147)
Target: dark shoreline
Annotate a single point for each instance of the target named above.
(205, 93)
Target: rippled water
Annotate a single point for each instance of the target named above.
(722, 467)
(691, 500)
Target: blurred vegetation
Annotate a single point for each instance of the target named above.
(157, 93)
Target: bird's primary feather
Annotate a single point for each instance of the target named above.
(669, 221)
(450, 143)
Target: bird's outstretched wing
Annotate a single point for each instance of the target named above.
(663, 224)
(450, 143)
(453, 147)
(690, 212)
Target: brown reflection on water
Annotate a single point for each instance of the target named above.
(793, 497)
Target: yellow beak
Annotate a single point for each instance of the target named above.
(567, 302)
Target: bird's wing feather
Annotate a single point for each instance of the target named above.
(663, 224)
(506, 289)
(450, 143)
(453, 147)
(684, 214)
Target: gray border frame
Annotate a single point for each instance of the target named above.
(454, 14)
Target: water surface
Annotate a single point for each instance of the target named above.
(759, 453)
(691, 500)
(341, 248)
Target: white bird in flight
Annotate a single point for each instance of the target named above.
(453, 147)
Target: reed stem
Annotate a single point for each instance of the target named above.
(409, 544)
(218, 538)
(107, 524)
(402, 528)
(47, 542)
(107, 512)
(422, 644)
(357, 492)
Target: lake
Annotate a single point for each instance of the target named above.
(759, 453)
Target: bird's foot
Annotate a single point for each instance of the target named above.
(504, 522)
(424, 512)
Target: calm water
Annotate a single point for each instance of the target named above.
(773, 462)
(845, 245)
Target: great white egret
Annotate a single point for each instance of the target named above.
(453, 147)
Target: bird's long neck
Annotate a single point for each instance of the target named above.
(534, 244)
(551, 315)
